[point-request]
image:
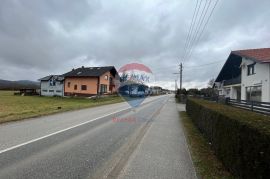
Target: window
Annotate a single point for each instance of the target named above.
(68, 84)
(228, 91)
(254, 93)
(51, 91)
(83, 87)
(106, 77)
(44, 90)
(103, 88)
(58, 91)
(251, 69)
(111, 80)
(75, 87)
(52, 82)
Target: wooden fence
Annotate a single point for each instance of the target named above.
(260, 107)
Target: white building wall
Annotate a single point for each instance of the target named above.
(230, 91)
(233, 93)
(47, 90)
(227, 91)
(260, 78)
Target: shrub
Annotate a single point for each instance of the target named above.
(240, 138)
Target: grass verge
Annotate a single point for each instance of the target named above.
(13, 108)
(206, 163)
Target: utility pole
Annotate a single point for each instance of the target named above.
(181, 75)
(175, 86)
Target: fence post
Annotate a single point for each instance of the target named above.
(252, 104)
(227, 101)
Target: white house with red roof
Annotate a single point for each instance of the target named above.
(246, 75)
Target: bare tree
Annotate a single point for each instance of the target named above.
(211, 83)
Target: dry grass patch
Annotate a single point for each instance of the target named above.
(14, 108)
(206, 163)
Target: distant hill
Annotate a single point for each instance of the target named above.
(14, 85)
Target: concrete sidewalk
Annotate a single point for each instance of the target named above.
(163, 152)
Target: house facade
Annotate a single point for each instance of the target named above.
(89, 81)
(246, 75)
(52, 85)
(155, 90)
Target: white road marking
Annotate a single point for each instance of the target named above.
(66, 129)
(63, 130)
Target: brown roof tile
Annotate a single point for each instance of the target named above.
(89, 71)
(261, 55)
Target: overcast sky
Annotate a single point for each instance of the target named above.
(42, 37)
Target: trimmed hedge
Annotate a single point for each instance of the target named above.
(240, 138)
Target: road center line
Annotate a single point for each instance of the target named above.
(63, 130)
(66, 129)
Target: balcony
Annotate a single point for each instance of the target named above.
(232, 81)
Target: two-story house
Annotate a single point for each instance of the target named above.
(89, 81)
(246, 75)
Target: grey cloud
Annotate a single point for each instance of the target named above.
(56, 35)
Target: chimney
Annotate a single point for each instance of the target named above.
(82, 66)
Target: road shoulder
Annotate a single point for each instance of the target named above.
(163, 152)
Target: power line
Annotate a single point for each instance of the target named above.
(206, 64)
(194, 26)
(190, 27)
(197, 68)
(198, 27)
(196, 30)
(201, 20)
(201, 33)
(168, 68)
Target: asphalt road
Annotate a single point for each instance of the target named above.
(89, 143)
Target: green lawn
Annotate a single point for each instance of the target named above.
(14, 108)
(206, 163)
